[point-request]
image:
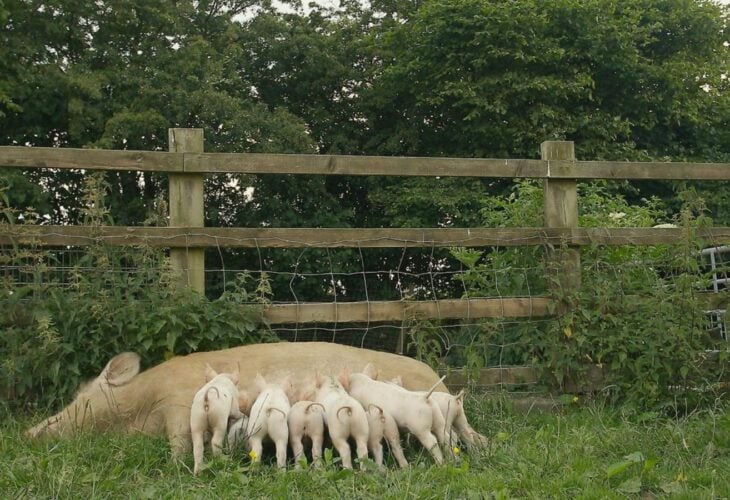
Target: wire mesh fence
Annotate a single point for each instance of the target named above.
(369, 275)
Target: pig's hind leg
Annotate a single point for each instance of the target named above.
(295, 441)
(430, 442)
(343, 448)
(279, 434)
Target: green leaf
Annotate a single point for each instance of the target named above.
(671, 487)
(172, 335)
(635, 457)
(618, 467)
(649, 464)
(159, 325)
(342, 474)
(632, 485)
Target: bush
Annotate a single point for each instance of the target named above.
(54, 337)
(59, 327)
(638, 316)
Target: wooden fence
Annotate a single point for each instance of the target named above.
(186, 164)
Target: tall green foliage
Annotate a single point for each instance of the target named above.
(638, 317)
(118, 74)
(636, 79)
(496, 78)
(624, 79)
(60, 326)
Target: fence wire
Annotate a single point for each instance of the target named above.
(370, 275)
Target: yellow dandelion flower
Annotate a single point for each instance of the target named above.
(575, 399)
(456, 450)
(253, 455)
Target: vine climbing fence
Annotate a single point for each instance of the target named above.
(346, 305)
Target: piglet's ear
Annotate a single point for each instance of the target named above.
(210, 373)
(121, 369)
(398, 380)
(244, 402)
(318, 379)
(289, 389)
(306, 395)
(460, 395)
(235, 375)
(344, 378)
(259, 382)
(371, 371)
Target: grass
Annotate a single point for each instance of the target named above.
(583, 452)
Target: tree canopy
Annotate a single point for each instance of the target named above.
(624, 79)
(496, 78)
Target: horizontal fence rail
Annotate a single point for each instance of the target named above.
(208, 237)
(398, 310)
(489, 379)
(492, 378)
(93, 159)
(259, 163)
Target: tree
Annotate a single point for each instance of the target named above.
(628, 79)
(638, 79)
(311, 65)
(118, 74)
(6, 64)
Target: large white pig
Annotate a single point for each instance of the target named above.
(157, 401)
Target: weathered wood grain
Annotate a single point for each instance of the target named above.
(210, 237)
(187, 208)
(560, 210)
(90, 159)
(260, 163)
(374, 311)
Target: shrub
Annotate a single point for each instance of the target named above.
(59, 327)
(638, 316)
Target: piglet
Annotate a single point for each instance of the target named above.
(306, 419)
(412, 411)
(237, 432)
(383, 425)
(268, 418)
(452, 407)
(344, 416)
(213, 405)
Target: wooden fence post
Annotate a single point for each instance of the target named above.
(561, 211)
(186, 208)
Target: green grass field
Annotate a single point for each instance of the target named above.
(583, 452)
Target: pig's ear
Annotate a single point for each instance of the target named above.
(236, 374)
(121, 369)
(306, 395)
(289, 390)
(371, 371)
(244, 402)
(398, 380)
(259, 382)
(460, 395)
(344, 378)
(210, 373)
(318, 379)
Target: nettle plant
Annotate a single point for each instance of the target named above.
(638, 317)
(62, 321)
